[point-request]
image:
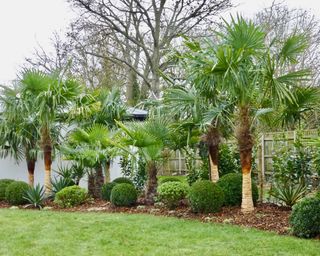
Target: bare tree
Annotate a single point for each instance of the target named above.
(280, 21)
(142, 32)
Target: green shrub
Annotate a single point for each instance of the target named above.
(106, 190)
(305, 218)
(35, 196)
(231, 185)
(317, 195)
(4, 183)
(123, 195)
(121, 180)
(288, 193)
(205, 196)
(171, 192)
(169, 179)
(15, 192)
(71, 196)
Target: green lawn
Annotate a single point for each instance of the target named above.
(52, 233)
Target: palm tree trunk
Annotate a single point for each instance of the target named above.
(245, 143)
(107, 172)
(31, 163)
(47, 151)
(213, 160)
(91, 184)
(213, 140)
(152, 182)
(99, 181)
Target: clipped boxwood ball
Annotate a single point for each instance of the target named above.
(71, 196)
(106, 190)
(205, 196)
(305, 218)
(123, 194)
(123, 180)
(4, 183)
(231, 185)
(171, 192)
(15, 192)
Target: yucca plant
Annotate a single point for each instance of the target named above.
(289, 193)
(35, 196)
(60, 183)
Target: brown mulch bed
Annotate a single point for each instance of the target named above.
(268, 217)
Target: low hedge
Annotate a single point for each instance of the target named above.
(71, 196)
(4, 183)
(171, 192)
(15, 192)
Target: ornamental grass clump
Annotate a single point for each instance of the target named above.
(205, 197)
(71, 196)
(123, 194)
(231, 184)
(305, 218)
(15, 193)
(171, 192)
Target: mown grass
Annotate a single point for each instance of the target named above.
(27, 232)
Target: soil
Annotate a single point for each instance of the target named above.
(268, 217)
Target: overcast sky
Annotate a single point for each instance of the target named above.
(25, 23)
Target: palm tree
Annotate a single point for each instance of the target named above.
(51, 96)
(19, 136)
(150, 139)
(90, 147)
(248, 71)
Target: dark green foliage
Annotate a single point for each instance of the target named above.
(123, 194)
(201, 173)
(231, 184)
(171, 192)
(60, 183)
(318, 194)
(305, 218)
(15, 192)
(123, 180)
(292, 165)
(205, 196)
(229, 160)
(71, 196)
(169, 179)
(106, 190)
(4, 183)
(35, 196)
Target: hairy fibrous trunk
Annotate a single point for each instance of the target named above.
(152, 182)
(245, 142)
(31, 163)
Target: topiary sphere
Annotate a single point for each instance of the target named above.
(71, 196)
(123, 194)
(170, 193)
(231, 185)
(305, 218)
(4, 183)
(106, 190)
(15, 192)
(123, 180)
(205, 196)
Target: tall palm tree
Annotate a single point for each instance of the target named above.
(51, 96)
(248, 72)
(150, 139)
(19, 135)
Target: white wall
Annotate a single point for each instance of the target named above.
(11, 170)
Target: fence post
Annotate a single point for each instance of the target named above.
(261, 168)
